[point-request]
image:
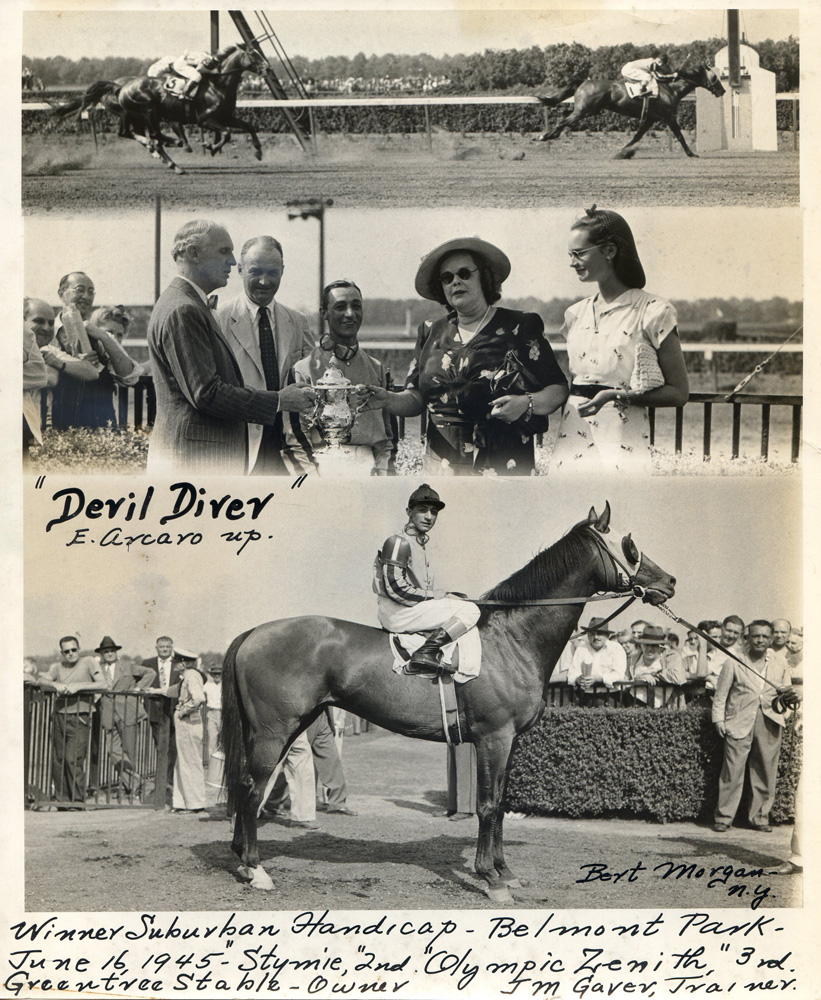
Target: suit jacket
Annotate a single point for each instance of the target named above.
(130, 711)
(202, 405)
(158, 707)
(292, 339)
(739, 693)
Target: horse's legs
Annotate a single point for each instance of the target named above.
(557, 131)
(262, 763)
(505, 874)
(492, 755)
(240, 125)
(675, 128)
(626, 152)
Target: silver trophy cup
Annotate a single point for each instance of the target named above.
(333, 413)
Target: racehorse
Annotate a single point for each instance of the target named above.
(145, 104)
(594, 96)
(279, 676)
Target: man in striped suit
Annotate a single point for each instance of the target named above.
(407, 598)
(202, 405)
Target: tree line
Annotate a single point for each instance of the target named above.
(538, 68)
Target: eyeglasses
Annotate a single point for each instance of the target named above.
(75, 650)
(578, 255)
(446, 277)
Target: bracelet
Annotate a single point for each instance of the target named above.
(529, 410)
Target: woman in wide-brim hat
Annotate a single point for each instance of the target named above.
(623, 350)
(487, 375)
(189, 775)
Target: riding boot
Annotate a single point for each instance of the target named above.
(428, 658)
(645, 107)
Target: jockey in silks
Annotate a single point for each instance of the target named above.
(647, 73)
(191, 66)
(407, 599)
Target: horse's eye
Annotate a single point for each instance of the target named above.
(628, 547)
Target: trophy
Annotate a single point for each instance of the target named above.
(333, 413)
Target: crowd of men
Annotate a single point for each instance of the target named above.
(182, 703)
(233, 379)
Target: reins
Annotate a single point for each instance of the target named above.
(759, 368)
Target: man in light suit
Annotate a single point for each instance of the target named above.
(120, 716)
(202, 404)
(751, 727)
(266, 339)
(167, 674)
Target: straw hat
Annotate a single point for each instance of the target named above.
(427, 277)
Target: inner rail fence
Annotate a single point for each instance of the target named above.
(98, 749)
(744, 427)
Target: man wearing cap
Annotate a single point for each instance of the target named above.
(750, 726)
(597, 659)
(120, 716)
(643, 75)
(407, 597)
(370, 449)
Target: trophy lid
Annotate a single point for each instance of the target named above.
(333, 378)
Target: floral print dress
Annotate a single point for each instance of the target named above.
(454, 379)
(601, 349)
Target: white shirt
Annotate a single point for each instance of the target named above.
(164, 668)
(195, 286)
(609, 662)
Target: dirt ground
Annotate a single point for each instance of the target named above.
(64, 174)
(398, 853)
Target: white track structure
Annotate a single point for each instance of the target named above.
(744, 118)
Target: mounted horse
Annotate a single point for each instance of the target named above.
(594, 96)
(279, 676)
(144, 104)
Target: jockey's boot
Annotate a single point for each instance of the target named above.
(645, 107)
(428, 658)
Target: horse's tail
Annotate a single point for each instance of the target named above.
(93, 95)
(234, 724)
(557, 96)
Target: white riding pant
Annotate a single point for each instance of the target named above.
(425, 615)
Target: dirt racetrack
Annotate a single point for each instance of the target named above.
(398, 853)
(65, 175)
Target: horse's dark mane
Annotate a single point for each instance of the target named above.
(544, 571)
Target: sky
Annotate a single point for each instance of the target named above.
(318, 546)
(315, 34)
(697, 253)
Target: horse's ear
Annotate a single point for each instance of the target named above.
(592, 516)
(602, 523)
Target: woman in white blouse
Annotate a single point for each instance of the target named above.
(623, 351)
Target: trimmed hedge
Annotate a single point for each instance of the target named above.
(471, 118)
(653, 763)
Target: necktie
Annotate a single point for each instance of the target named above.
(163, 673)
(268, 352)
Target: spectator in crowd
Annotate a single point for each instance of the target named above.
(35, 378)
(71, 678)
(795, 863)
(115, 320)
(750, 726)
(653, 668)
(638, 627)
(732, 629)
(598, 659)
(370, 449)
(213, 701)
(632, 651)
(266, 339)
(38, 316)
(795, 652)
(87, 403)
(31, 675)
(294, 789)
(161, 710)
(120, 716)
(189, 775)
(781, 636)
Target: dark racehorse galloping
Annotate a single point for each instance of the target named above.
(144, 104)
(280, 676)
(594, 96)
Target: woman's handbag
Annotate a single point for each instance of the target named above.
(647, 373)
(511, 378)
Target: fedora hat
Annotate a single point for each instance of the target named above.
(107, 644)
(595, 626)
(424, 494)
(427, 277)
(653, 635)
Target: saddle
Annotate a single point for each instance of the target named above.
(175, 84)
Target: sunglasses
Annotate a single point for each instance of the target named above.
(446, 277)
(578, 255)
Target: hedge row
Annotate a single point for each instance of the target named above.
(500, 118)
(658, 764)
